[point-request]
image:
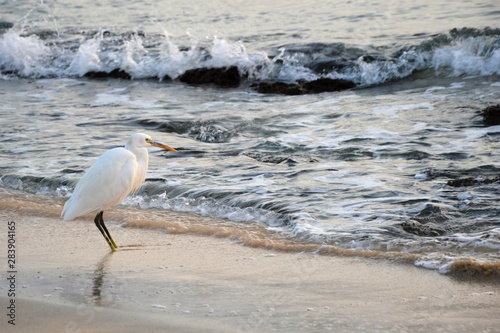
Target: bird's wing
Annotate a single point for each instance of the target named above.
(107, 182)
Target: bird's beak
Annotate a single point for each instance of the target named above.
(162, 146)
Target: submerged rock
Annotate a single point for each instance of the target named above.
(230, 77)
(280, 88)
(491, 115)
(427, 222)
(303, 87)
(420, 229)
(116, 73)
(210, 133)
(6, 25)
(226, 77)
(271, 158)
(469, 181)
(329, 66)
(328, 85)
(431, 214)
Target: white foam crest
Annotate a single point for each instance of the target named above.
(306, 225)
(473, 56)
(173, 61)
(31, 57)
(86, 58)
(376, 72)
(206, 207)
(25, 55)
(284, 67)
(440, 264)
(136, 60)
(11, 182)
(478, 241)
(209, 207)
(224, 53)
(132, 57)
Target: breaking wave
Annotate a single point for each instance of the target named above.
(136, 55)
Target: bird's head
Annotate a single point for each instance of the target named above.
(140, 140)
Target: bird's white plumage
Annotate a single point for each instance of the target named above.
(116, 174)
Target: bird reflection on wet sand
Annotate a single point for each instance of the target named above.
(98, 280)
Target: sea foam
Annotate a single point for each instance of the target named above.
(158, 56)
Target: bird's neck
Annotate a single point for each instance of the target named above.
(142, 156)
(142, 160)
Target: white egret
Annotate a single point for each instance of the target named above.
(116, 174)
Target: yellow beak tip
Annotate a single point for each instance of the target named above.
(162, 146)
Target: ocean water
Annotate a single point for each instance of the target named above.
(364, 171)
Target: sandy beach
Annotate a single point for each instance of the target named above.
(333, 166)
(68, 281)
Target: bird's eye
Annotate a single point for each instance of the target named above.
(148, 140)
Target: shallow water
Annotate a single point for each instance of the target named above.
(353, 169)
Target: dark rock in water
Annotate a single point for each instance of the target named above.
(96, 75)
(491, 115)
(469, 181)
(9, 72)
(221, 77)
(6, 25)
(462, 182)
(120, 74)
(210, 133)
(420, 229)
(166, 78)
(327, 85)
(280, 88)
(370, 58)
(329, 66)
(71, 171)
(431, 214)
(271, 158)
(116, 73)
(303, 87)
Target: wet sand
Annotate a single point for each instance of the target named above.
(68, 281)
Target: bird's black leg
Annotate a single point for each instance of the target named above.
(114, 247)
(99, 222)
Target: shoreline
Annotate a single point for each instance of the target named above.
(249, 235)
(184, 282)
